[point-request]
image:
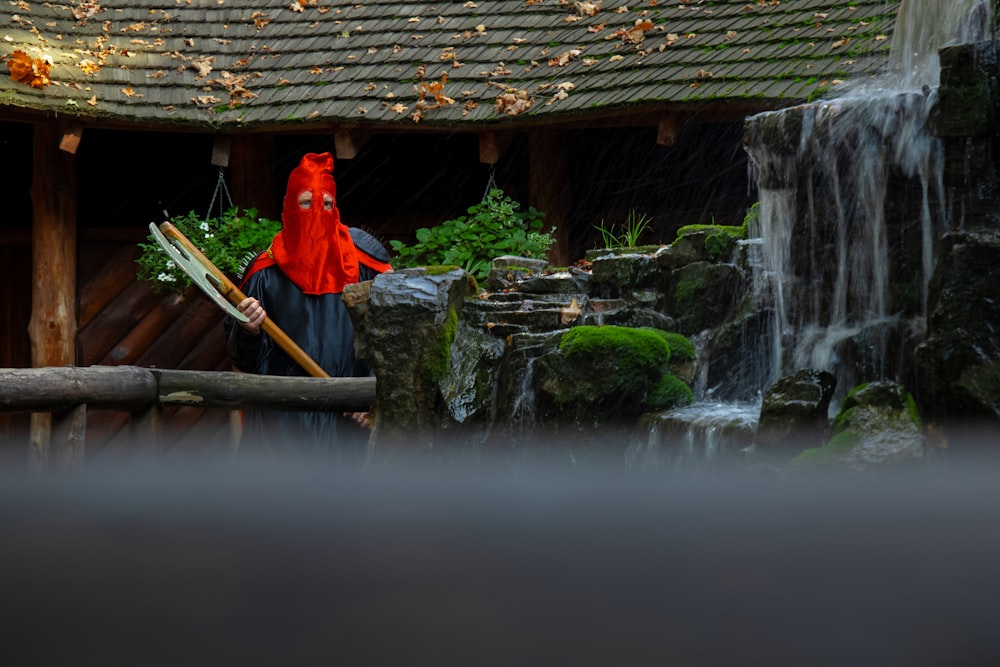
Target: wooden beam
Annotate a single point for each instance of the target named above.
(349, 143)
(492, 146)
(668, 128)
(549, 186)
(221, 148)
(70, 141)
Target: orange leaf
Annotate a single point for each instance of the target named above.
(23, 69)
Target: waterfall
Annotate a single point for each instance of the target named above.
(845, 275)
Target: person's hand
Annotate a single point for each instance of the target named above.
(362, 418)
(255, 313)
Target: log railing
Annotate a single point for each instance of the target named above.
(66, 392)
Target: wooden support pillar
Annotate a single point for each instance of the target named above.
(53, 325)
(145, 430)
(549, 186)
(255, 181)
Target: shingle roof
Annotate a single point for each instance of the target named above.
(229, 63)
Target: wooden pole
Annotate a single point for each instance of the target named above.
(254, 178)
(549, 186)
(53, 324)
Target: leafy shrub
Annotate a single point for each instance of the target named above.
(493, 228)
(228, 242)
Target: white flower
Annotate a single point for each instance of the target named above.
(166, 278)
(170, 264)
(203, 226)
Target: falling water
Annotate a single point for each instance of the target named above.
(840, 290)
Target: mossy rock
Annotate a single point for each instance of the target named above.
(877, 426)
(720, 240)
(605, 372)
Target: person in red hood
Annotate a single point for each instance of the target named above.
(298, 283)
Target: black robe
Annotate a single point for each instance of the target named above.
(321, 326)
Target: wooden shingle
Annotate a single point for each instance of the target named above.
(222, 64)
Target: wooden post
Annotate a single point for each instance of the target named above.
(252, 160)
(145, 429)
(53, 325)
(549, 186)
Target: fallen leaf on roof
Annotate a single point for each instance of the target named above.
(564, 58)
(89, 67)
(589, 61)
(85, 9)
(481, 29)
(636, 33)
(704, 74)
(672, 38)
(596, 28)
(32, 72)
(588, 8)
(92, 101)
(572, 19)
(399, 107)
(203, 65)
(205, 100)
(730, 35)
(840, 42)
(128, 92)
(513, 102)
(470, 5)
(296, 7)
(622, 10)
(615, 58)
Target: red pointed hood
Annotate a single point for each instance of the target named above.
(314, 248)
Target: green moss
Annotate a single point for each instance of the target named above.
(669, 392)
(440, 356)
(438, 270)
(911, 409)
(681, 349)
(632, 349)
(836, 448)
(719, 240)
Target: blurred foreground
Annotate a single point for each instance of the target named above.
(288, 563)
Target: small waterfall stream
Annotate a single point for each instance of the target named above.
(851, 200)
(831, 267)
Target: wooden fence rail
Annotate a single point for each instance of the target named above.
(66, 392)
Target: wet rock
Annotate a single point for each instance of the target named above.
(616, 274)
(508, 271)
(959, 363)
(966, 98)
(795, 413)
(685, 250)
(877, 426)
(407, 333)
(705, 295)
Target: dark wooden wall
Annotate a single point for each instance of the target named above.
(123, 321)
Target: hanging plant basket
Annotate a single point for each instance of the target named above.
(229, 242)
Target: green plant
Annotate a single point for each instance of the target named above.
(627, 235)
(228, 242)
(494, 227)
